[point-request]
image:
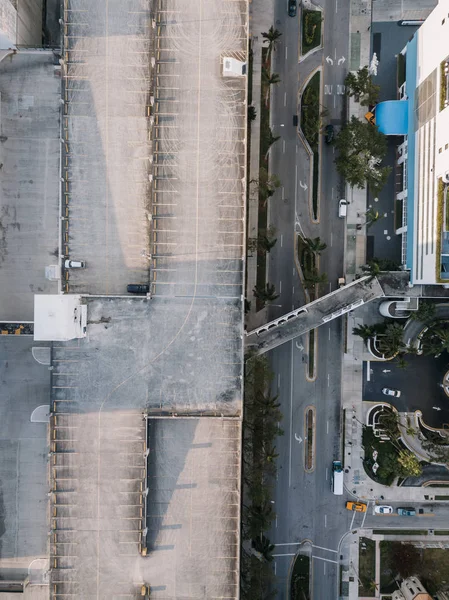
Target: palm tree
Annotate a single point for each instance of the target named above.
(261, 517)
(364, 331)
(264, 547)
(271, 454)
(314, 278)
(391, 341)
(371, 217)
(315, 245)
(401, 363)
(372, 269)
(266, 244)
(269, 140)
(266, 294)
(269, 79)
(271, 38)
(436, 340)
(442, 334)
(426, 312)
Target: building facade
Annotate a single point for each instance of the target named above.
(421, 117)
(411, 589)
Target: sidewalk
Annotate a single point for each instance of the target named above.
(360, 55)
(261, 18)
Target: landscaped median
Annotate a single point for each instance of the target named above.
(300, 579)
(310, 30)
(310, 126)
(309, 435)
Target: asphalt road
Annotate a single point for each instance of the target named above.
(305, 506)
(419, 385)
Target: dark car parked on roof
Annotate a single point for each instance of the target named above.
(138, 288)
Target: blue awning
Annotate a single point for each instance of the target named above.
(392, 117)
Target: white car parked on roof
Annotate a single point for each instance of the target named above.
(383, 510)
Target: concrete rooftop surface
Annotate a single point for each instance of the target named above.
(147, 356)
(30, 91)
(153, 185)
(25, 385)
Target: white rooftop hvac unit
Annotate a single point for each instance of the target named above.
(233, 67)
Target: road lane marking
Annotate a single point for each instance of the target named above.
(275, 567)
(328, 380)
(283, 146)
(279, 385)
(352, 520)
(276, 520)
(291, 416)
(332, 238)
(364, 517)
(332, 193)
(282, 239)
(325, 520)
(327, 429)
(368, 371)
(277, 555)
(285, 98)
(336, 6)
(323, 548)
(329, 333)
(296, 185)
(290, 544)
(293, 290)
(296, 148)
(293, 271)
(327, 473)
(324, 568)
(335, 100)
(286, 53)
(280, 287)
(283, 192)
(320, 558)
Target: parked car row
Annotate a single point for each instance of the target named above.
(132, 288)
(403, 511)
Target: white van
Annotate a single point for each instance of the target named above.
(337, 478)
(342, 208)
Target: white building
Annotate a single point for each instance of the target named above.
(422, 117)
(411, 589)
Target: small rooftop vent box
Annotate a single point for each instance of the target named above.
(233, 67)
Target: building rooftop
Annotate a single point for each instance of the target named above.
(30, 91)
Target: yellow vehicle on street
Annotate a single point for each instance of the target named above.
(356, 506)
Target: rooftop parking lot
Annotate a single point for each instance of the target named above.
(29, 180)
(25, 385)
(174, 358)
(106, 150)
(99, 506)
(199, 141)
